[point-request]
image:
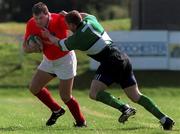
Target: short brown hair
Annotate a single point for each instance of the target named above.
(40, 7)
(73, 17)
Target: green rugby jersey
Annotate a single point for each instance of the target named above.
(89, 37)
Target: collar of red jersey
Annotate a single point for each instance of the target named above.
(49, 18)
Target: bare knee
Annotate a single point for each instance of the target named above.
(135, 98)
(96, 86)
(92, 95)
(133, 93)
(34, 89)
(66, 98)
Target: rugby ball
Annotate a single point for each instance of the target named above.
(34, 40)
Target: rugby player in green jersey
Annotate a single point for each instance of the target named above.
(115, 67)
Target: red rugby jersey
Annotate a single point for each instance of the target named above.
(57, 27)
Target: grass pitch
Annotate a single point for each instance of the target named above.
(21, 113)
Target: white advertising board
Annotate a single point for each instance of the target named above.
(174, 50)
(147, 49)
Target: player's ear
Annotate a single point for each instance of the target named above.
(75, 26)
(72, 25)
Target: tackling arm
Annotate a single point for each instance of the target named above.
(56, 41)
(64, 13)
(52, 38)
(83, 15)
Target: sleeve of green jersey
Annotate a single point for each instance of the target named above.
(68, 43)
(90, 17)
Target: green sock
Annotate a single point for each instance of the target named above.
(110, 100)
(149, 105)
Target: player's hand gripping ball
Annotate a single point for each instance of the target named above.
(35, 43)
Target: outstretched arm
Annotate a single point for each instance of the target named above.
(83, 15)
(64, 13)
(66, 44)
(52, 38)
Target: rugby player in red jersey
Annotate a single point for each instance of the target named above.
(55, 63)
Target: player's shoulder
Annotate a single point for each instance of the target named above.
(31, 21)
(57, 18)
(90, 17)
(31, 25)
(56, 15)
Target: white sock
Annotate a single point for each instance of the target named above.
(57, 111)
(163, 120)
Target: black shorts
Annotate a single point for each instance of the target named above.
(116, 68)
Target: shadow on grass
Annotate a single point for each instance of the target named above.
(158, 78)
(146, 79)
(51, 129)
(20, 128)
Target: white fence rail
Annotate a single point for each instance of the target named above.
(148, 50)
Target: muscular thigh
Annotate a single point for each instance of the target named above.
(39, 80)
(96, 86)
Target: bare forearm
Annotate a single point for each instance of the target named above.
(83, 15)
(64, 13)
(54, 40)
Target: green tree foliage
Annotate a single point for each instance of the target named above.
(20, 10)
